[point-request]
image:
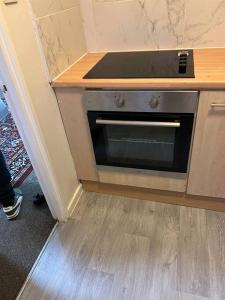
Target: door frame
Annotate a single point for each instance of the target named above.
(20, 105)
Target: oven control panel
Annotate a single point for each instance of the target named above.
(141, 101)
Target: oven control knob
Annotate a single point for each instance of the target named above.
(120, 102)
(154, 102)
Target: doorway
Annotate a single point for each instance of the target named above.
(34, 223)
(40, 129)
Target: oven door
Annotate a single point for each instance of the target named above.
(153, 141)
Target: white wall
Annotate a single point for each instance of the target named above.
(145, 24)
(61, 32)
(42, 99)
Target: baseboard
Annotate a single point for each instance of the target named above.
(75, 199)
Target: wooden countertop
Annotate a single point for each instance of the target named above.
(209, 72)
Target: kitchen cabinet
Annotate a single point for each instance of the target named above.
(207, 169)
(77, 131)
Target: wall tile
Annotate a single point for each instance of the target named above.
(205, 23)
(68, 3)
(138, 24)
(45, 7)
(89, 24)
(145, 24)
(62, 39)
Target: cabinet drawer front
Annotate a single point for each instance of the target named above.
(207, 170)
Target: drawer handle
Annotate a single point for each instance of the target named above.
(218, 105)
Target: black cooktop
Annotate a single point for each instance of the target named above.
(144, 64)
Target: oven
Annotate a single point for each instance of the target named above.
(149, 130)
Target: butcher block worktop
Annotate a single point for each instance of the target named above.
(209, 74)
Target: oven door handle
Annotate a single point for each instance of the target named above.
(137, 123)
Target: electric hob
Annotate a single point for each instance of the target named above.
(144, 64)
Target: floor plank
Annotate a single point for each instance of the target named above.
(193, 259)
(121, 248)
(99, 285)
(216, 246)
(164, 250)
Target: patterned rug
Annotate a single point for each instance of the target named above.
(13, 149)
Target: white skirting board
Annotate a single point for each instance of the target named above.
(75, 199)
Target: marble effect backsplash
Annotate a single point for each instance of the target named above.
(153, 24)
(46, 7)
(120, 25)
(61, 32)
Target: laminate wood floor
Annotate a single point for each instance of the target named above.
(121, 248)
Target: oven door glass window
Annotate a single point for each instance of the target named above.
(141, 141)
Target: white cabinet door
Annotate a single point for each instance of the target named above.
(207, 170)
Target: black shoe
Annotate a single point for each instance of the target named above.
(39, 200)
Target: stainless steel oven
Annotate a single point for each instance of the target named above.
(142, 129)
